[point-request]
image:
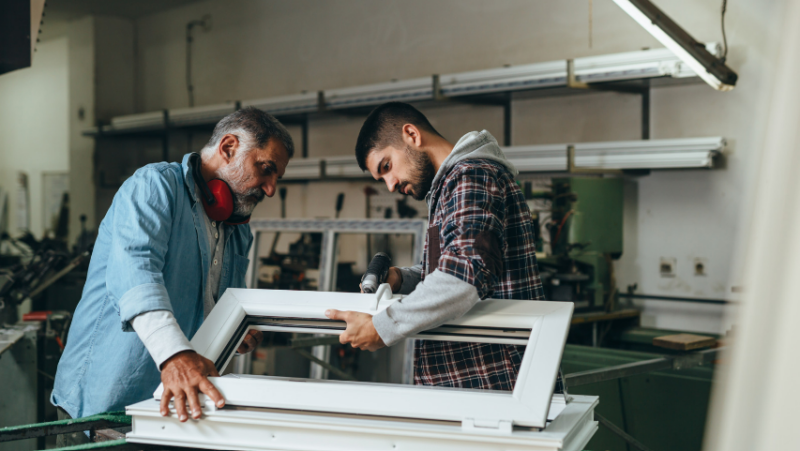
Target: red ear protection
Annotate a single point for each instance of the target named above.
(222, 208)
(218, 200)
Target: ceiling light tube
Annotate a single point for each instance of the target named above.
(707, 66)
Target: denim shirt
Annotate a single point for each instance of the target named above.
(151, 254)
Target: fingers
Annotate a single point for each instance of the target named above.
(336, 314)
(165, 397)
(248, 344)
(194, 404)
(180, 406)
(208, 370)
(211, 391)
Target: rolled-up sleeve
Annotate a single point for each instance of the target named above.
(141, 227)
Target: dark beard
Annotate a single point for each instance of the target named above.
(421, 174)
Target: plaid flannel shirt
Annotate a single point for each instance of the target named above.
(481, 232)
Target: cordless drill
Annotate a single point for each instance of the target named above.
(376, 273)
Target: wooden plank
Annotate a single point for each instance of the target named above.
(684, 342)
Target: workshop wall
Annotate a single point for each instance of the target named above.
(34, 129)
(267, 48)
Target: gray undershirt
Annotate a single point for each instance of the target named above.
(215, 232)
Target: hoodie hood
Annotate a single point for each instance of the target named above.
(472, 146)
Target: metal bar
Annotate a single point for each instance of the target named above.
(325, 365)
(572, 169)
(679, 362)
(572, 80)
(646, 112)
(165, 138)
(70, 266)
(304, 135)
(507, 121)
(100, 421)
(314, 341)
(619, 432)
(675, 298)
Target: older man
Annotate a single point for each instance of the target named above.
(159, 266)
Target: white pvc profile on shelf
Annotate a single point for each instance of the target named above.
(684, 153)
(292, 104)
(402, 90)
(345, 167)
(616, 67)
(650, 154)
(152, 120)
(540, 158)
(200, 115)
(303, 169)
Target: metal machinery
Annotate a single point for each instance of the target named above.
(585, 236)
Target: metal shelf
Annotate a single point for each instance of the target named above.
(599, 70)
(684, 153)
(630, 72)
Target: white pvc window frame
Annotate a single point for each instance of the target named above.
(541, 325)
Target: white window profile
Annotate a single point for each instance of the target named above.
(365, 412)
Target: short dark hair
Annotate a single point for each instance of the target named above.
(254, 128)
(383, 128)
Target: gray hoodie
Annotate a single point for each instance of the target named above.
(440, 297)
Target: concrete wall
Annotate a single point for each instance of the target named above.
(34, 128)
(265, 48)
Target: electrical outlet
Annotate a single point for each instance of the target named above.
(667, 267)
(700, 266)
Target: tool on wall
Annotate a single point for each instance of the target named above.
(339, 204)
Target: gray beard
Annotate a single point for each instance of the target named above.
(245, 199)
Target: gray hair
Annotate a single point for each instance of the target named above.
(254, 128)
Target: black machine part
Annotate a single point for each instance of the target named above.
(376, 273)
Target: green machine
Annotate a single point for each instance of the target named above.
(585, 236)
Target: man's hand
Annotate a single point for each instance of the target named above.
(394, 278)
(183, 375)
(360, 332)
(251, 341)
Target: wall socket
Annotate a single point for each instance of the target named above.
(667, 267)
(700, 266)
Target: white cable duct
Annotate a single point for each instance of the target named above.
(200, 115)
(307, 102)
(402, 90)
(639, 154)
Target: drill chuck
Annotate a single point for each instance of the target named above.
(376, 273)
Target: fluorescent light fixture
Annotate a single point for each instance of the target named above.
(707, 66)
(200, 115)
(307, 102)
(685, 153)
(402, 90)
(303, 169)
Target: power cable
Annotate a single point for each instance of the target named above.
(724, 37)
